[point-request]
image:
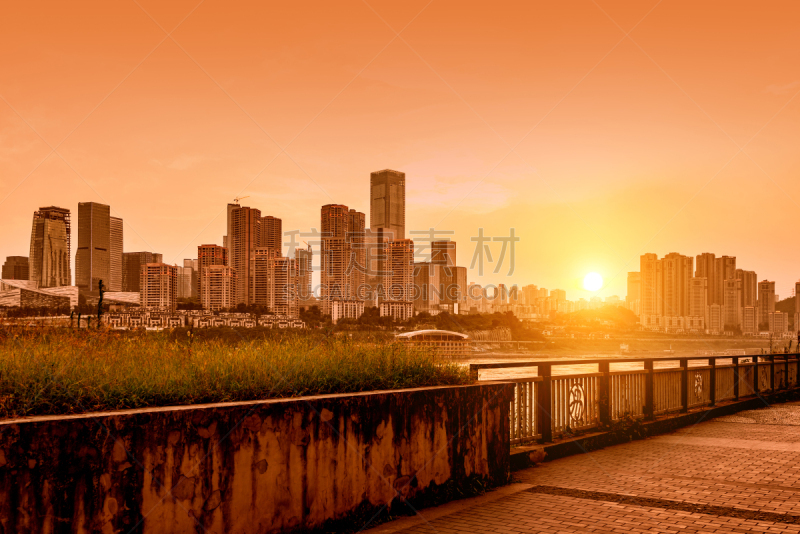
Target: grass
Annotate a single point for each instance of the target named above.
(61, 371)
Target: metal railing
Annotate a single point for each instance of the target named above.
(547, 405)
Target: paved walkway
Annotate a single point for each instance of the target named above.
(739, 473)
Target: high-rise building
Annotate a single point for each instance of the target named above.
(342, 257)
(93, 256)
(184, 282)
(706, 267)
(766, 301)
(750, 320)
(158, 286)
(388, 202)
(218, 286)
(398, 280)
(356, 236)
(725, 269)
(676, 271)
(698, 295)
(303, 263)
(115, 254)
(749, 287)
(226, 237)
(16, 268)
(244, 236)
(271, 233)
(634, 297)
(132, 268)
(208, 255)
(427, 287)
(650, 269)
(732, 303)
(194, 265)
(274, 281)
(443, 253)
(49, 263)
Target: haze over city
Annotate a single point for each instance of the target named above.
(594, 146)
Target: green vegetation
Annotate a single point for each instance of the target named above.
(61, 371)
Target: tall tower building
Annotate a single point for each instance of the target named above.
(132, 268)
(766, 301)
(706, 267)
(207, 256)
(226, 237)
(342, 258)
(676, 273)
(698, 295)
(302, 262)
(115, 254)
(749, 287)
(356, 235)
(725, 269)
(244, 237)
(93, 257)
(634, 297)
(158, 286)
(398, 280)
(444, 253)
(650, 269)
(272, 233)
(49, 263)
(274, 281)
(388, 202)
(732, 302)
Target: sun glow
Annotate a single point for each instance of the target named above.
(592, 282)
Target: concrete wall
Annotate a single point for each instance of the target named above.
(268, 466)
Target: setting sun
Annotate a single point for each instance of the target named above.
(592, 282)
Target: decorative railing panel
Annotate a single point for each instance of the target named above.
(522, 414)
(551, 404)
(627, 394)
(698, 386)
(764, 382)
(667, 390)
(746, 371)
(575, 402)
(724, 387)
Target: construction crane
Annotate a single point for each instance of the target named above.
(237, 199)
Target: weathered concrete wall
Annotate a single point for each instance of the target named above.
(269, 466)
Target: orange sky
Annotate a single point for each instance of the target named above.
(538, 115)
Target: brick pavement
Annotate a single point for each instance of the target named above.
(703, 478)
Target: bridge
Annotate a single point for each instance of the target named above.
(733, 465)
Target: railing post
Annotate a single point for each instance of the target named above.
(684, 385)
(736, 377)
(649, 378)
(713, 380)
(755, 376)
(772, 373)
(604, 407)
(544, 402)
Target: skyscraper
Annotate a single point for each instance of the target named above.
(650, 269)
(698, 295)
(115, 255)
(766, 301)
(16, 268)
(707, 268)
(338, 257)
(732, 303)
(245, 235)
(356, 236)
(398, 280)
(274, 281)
(132, 268)
(208, 255)
(271, 233)
(388, 202)
(92, 259)
(158, 286)
(676, 272)
(749, 287)
(302, 262)
(49, 264)
(444, 253)
(725, 269)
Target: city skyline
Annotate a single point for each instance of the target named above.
(633, 145)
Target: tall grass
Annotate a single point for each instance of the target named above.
(65, 372)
